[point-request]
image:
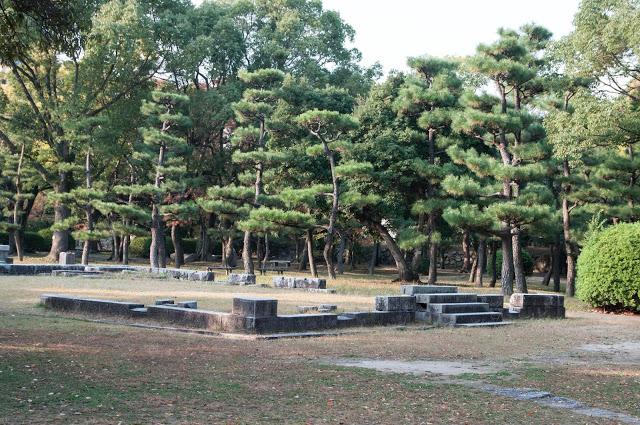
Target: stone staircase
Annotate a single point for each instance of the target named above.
(445, 306)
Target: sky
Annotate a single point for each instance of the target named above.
(390, 31)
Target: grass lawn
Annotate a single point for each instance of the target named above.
(55, 368)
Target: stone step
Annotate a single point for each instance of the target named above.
(459, 318)
(427, 289)
(446, 298)
(458, 308)
(484, 325)
(139, 312)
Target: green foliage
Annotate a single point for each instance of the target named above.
(527, 262)
(140, 246)
(609, 268)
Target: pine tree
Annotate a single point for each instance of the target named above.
(429, 98)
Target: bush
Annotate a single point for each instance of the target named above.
(527, 263)
(609, 268)
(140, 246)
(45, 246)
(33, 241)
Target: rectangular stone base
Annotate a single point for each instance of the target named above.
(88, 305)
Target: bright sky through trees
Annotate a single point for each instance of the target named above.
(390, 31)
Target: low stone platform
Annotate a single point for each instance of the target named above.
(89, 305)
(37, 269)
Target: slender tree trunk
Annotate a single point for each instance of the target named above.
(474, 265)
(518, 266)
(506, 278)
(86, 248)
(557, 269)
(18, 217)
(375, 250)
(341, 247)
(433, 249)
(266, 252)
(312, 261)
(493, 254)
(466, 261)
(566, 230)
(405, 273)
(259, 252)
(157, 254)
(333, 215)
(60, 240)
(125, 249)
(177, 246)
(547, 275)
(482, 260)
(246, 253)
(352, 254)
(302, 258)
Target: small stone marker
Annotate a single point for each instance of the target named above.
(4, 255)
(188, 304)
(255, 307)
(395, 303)
(166, 301)
(67, 258)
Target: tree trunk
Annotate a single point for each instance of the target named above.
(493, 254)
(506, 278)
(333, 214)
(341, 247)
(18, 217)
(312, 261)
(302, 258)
(352, 254)
(405, 273)
(474, 266)
(60, 239)
(375, 250)
(466, 262)
(557, 255)
(518, 266)
(267, 253)
(246, 253)
(547, 275)
(177, 246)
(125, 249)
(482, 260)
(569, 247)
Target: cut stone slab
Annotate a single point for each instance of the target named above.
(299, 282)
(188, 304)
(537, 306)
(165, 301)
(89, 305)
(395, 303)
(241, 279)
(458, 308)
(201, 319)
(495, 301)
(460, 318)
(375, 318)
(255, 307)
(67, 258)
(446, 298)
(322, 308)
(427, 289)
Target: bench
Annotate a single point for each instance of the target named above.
(278, 266)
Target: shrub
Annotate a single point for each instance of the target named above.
(140, 246)
(609, 268)
(44, 246)
(527, 263)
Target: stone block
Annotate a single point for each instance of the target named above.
(427, 289)
(537, 306)
(188, 304)
(67, 258)
(495, 301)
(255, 307)
(201, 319)
(291, 323)
(241, 279)
(375, 318)
(165, 301)
(89, 305)
(299, 282)
(395, 303)
(4, 255)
